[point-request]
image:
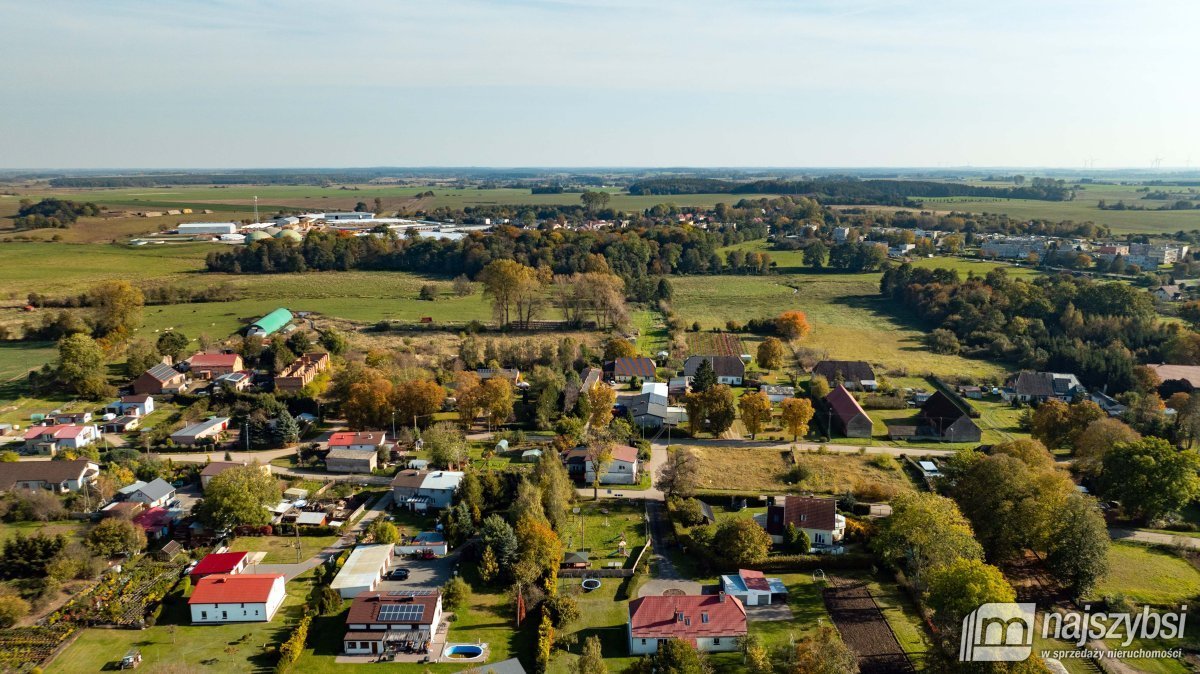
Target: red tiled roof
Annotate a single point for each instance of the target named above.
(625, 453)
(245, 588)
(843, 403)
(754, 580)
(154, 519)
(60, 431)
(810, 512)
(643, 368)
(345, 438)
(218, 563)
(214, 359)
(684, 617)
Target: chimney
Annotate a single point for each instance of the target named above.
(721, 597)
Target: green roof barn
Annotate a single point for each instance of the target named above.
(270, 323)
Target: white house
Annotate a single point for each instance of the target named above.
(53, 439)
(365, 441)
(154, 494)
(752, 588)
(778, 394)
(423, 490)
(57, 476)
(817, 517)
(133, 406)
(624, 468)
(363, 570)
(728, 369)
(712, 622)
(244, 597)
(379, 619)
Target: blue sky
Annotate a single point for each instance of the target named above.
(251, 83)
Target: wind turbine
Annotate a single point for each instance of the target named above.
(1157, 163)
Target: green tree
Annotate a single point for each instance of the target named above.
(741, 541)
(334, 341)
(114, 536)
(796, 539)
(594, 200)
(1094, 442)
(498, 536)
(139, 357)
(239, 495)
(676, 656)
(705, 377)
(600, 455)
(815, 254)
(961, 586)
(557, 490)
(81, 366)
(489, 568)
(818, 387)
(172, 343)
(456, 594)
(446, 445)
(591, 660)
(1078, 550)
(925, 532)
(287, 430)
(382, 531)
(1149, 477)
(562, 609)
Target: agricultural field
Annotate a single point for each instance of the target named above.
(1082, 209)
(715, 344)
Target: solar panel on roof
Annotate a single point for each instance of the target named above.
(401, 612)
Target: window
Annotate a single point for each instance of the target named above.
(643, 642)
(224, 615)
(704, 618)
(204, 615)
(717, 641)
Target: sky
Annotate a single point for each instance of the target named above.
(731, 83)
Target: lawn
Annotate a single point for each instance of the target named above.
(282, 549)
(175, 645)
(605, 614)
(849, 319)
(600, 526)
(68, 528)
(18, 358)
(767, 471)
(1148, 575)
(651, 331)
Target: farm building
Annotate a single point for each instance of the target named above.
(846, 416)
(948, 421)
(363, 570)
(271, 323)
(213, 365)
(729, 369)
(713, 622)
(817, 517)
(379, 622)
(247, 597)
(301, 372)
(161, 378)
(216, 228)
(351, 215)
(853, 374)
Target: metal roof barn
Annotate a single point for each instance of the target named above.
(270, 323)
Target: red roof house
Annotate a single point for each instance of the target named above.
(213, 365)
(364, 440)
(711, 622)
(221, 563)
(248, 597)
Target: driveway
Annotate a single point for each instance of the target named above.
(423, 574)
(1154, 538)
(777, 611)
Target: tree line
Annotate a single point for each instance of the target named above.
(849, 190)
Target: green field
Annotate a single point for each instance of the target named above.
(282, 549)
(1084, 208)
(1147, 575)
(850, 320)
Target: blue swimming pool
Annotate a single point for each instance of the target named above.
(464, 651)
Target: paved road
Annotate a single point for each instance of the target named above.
(1137, 535)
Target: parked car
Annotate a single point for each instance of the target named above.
(398, 574)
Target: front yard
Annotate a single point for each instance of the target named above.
(282, 549)
(763, 470)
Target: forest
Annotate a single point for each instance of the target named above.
(853, 191)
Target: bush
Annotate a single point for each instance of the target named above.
(562, 610)
(883, 462)
(455, 594)
(690, 512)
(290, 650)
(874, 401)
